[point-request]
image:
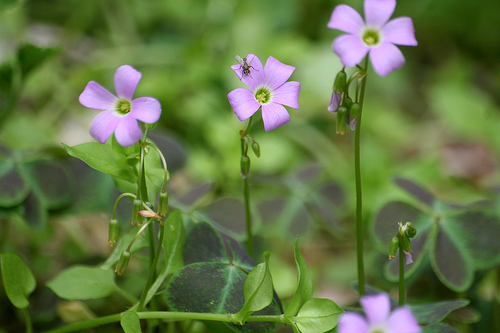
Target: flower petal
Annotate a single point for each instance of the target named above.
(256, 76)
(350, 49)
(95, 96)
(400, 31)
(386, 58)
(407, 257)
(146, 109)
(345, 18)
(352, 322)
(243, 103)
(378, 12)
(334, 102)
(126, 80)
(403, 321)
(276, 73)
(274, 115)
(128, 131)
(288, 94)
(103, 125)
(377, 308)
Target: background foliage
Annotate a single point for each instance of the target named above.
(435, 122)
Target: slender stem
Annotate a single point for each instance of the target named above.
(246, 191)
(152, 271)
(359, 203)
(27, 316)
(118, 200)
(164, 162)
(166, 316)
(128, 296)
(496, 301)
(401, 273)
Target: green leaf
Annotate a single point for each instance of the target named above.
(317, 315)
(258, 290)
(213, 280)
(435, 312)
(101, 157)
(450, 261)
(7, 4)
(439, 328)
(52, 182)
(82, 283)
(14, 186)
(174, 241)
(18, 280)
(130, 322)
(31, 56)
(304, 290)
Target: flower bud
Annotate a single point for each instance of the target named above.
(113, 232)
(393, 247)
(411, 232)
(245, 166)
(122, 264)
(334, 102)
(340, 82)
(407, 258)
(341, 120)
(136, 217)
(256, 148)
(163, 203)
(406, 243)
(354, 113)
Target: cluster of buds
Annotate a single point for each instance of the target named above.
(402, 240)
(348, 111)
(245, 160)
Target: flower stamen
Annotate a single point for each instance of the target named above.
(123, 107)
(371, 37)
(263, 95)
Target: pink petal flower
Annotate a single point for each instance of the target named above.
(121, 114)
(334, 102)
(378, 12)
(386, 58)
(376, 36)
(403, 321)
(351, 322)
(95, 96)
(377, 308)
(128, 131)
(269, 90)
(146, 109)
(274, 115)
(126, 81)
(345, 18)
(243, 103)
(400, 31)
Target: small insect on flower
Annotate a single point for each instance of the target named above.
(245, 65)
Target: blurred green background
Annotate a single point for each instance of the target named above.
(434, 121)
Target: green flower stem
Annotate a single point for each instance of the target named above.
(118, 200)
(173, 316)
(144, 226)
(152, 272)
(27, 316)
(496, 301)
(128, 296)
(164, 162)
(246, 191)
(359, 197)
(401, 272)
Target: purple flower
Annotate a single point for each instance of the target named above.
(269, 90)
(379, 318)
(334, 102)
(377, 36)
(120, 113)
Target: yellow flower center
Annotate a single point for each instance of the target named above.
(371, 37)
(123, 107)
(263, 95)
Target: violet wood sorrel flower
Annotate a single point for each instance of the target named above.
(376, 37)
(121, 112)
(379, 318)
(269, 90)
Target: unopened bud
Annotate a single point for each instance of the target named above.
(122, 264)
(341, 120)
(113, 232)
(334, 102)
(163, 203)
(147, 213)
(136, 217)
(354, 113)
(406, 243)
(340, 82)
(411, 232)
(256, 148)
(393, 247)
(245, 166)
